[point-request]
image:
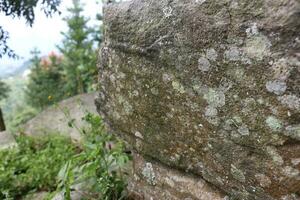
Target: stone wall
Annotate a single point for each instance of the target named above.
(210, 88)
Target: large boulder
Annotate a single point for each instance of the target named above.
(57, 118)
(211, 88)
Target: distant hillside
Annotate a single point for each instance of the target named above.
(14, 70)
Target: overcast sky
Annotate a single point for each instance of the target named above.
(45, 33)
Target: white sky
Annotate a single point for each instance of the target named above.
(45, 33)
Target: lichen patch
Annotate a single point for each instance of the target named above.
(215, 98)
(252, 30)
(237, 173)
(277, 159)
(211, 54)
(290, 171)
(276, 86)
(232, 54)
(291, 101)
(274, 123)
(211, 111)
(293, 131)
(263, 180)
(203, 64)
(178, 87)
(149, 174)
(243, 130)
(257, 47)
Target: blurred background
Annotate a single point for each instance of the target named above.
(49, 57)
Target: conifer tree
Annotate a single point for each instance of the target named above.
(78, 49)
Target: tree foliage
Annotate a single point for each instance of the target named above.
(4, 89)
(22, 9)
(46, 81)
(78, 49)
(73, 71)
(33, 166)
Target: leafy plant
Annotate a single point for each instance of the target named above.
(101, 164)
(33, 165)
(52, 163)
(22, 116)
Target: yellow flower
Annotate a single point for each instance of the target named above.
(49, 97)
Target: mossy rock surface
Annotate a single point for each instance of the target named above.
(208, 87)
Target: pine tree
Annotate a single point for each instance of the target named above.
(78, 49)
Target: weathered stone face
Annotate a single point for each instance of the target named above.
(208, 87)
(151, 180)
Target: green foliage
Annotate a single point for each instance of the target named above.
(52, 163)
(46, 81)
(15, 109)
(25, 9)
(4, 89)
(33, 165)
(101, 164)
(73, 72)
(21, 117)
(78, 50)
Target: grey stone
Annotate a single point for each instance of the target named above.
(234, 109)
(169, 183)
(75, 195)
(55, 119)
(7, 140)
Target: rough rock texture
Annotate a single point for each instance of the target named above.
(75, 195)
(7, 140)
(156, 181)
(36, 196)
(211, 88)
(55, 119)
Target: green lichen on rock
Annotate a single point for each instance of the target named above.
(178, 87)
(237, 174)
(149, 175)
(211, 86)
(274, 123)
(257, 47)
(215, 98)
(293, 131)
